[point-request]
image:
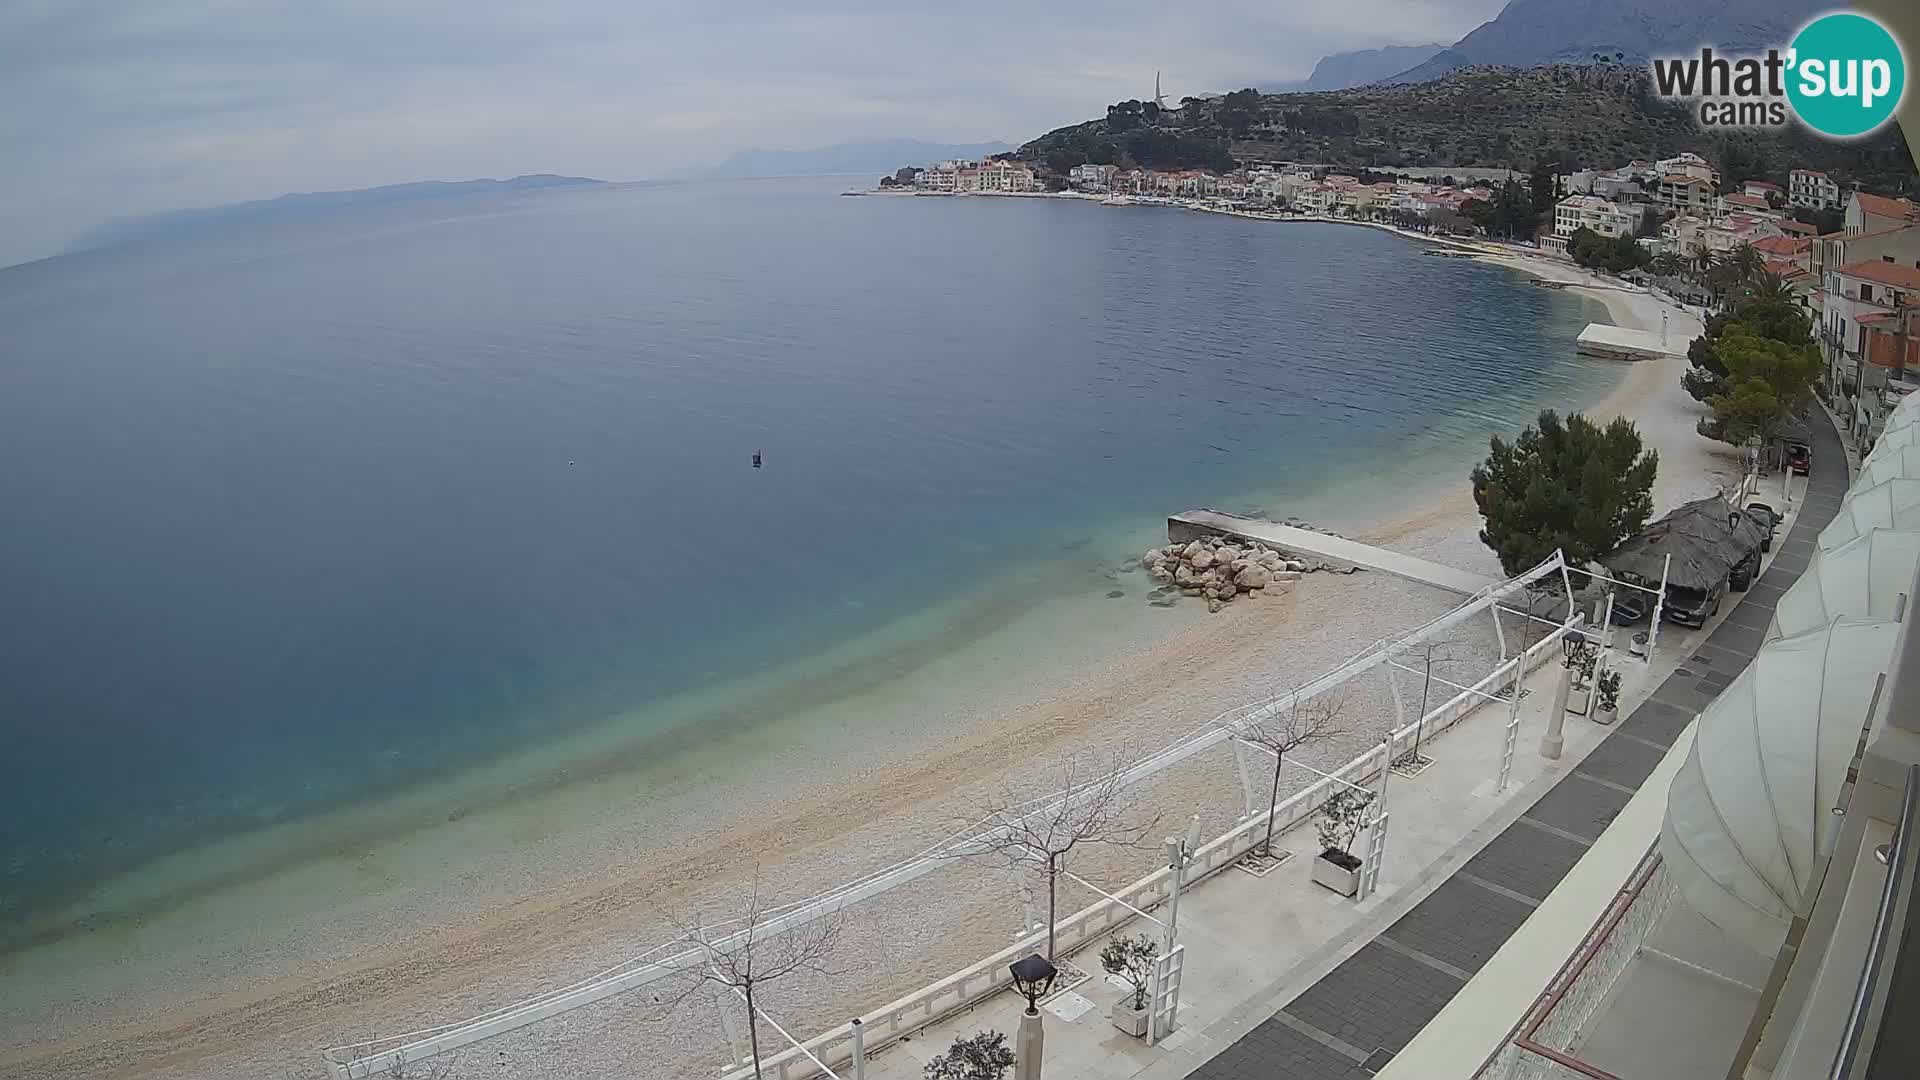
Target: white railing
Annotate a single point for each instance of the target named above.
(932, 1003)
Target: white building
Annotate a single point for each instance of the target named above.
(1692, 165)
(1811, 187)
(1092, 177)
(1592, 212)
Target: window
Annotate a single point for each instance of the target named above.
(1866, 291)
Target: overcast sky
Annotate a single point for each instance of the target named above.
(116, 107)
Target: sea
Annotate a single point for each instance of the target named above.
(311, 514)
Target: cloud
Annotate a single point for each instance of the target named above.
(115, 107)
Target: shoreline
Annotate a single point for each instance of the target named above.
(528, 932)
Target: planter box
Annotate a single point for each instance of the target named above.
(1341, 879)
(1578, 699)
(1129, 1019)
(1605, 716)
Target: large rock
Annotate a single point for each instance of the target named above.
(1183, 575)
(1296, 566)
(1154, 557)
(1206, 577)
(1193, 549)
(1202, 559)
(1214, 606)
(1253, 577)
(1270, 559)
(1160, 573)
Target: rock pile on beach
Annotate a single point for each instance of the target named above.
(1219, 569)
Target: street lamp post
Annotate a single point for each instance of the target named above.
(1554, 741)
(1032, 977)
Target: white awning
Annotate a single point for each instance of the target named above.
(1897, 463)
(1747, 815)
(1894, 504)
(1896, 438)
(1863, 578)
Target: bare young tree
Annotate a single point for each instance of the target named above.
(742, 957)
(1301, 723)
(1431, 653)
(433, 1069)
(1092, 806)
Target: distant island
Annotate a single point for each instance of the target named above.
(149, 226)
(872, 156)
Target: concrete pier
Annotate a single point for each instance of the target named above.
(1320, 547)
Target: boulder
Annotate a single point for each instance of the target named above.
(1286, 575)
(1154, 557)
(1214, 606)
(1253, 577)
(1202, 559)
(1183, 575)
(1160, 573)
(1206, 577)
(1270, 559)
(1193, 549)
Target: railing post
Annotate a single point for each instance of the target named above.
(859, 1050)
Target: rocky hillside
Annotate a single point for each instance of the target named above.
(1530, 32)
(1575, 116)
(1358, 68)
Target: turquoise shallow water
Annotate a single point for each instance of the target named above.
(301, 516)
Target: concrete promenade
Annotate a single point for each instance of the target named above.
(1322, 547)
(1287, 981)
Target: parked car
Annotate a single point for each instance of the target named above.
(1740, 578)
(1799, 459)
(1693, 607)
(1768, 516)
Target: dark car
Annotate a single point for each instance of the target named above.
(1693, 607)
(1740, 578)
(1799, 459)
(1768, 516)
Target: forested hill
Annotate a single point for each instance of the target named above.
(1576, 116)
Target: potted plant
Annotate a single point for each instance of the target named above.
(1131, 959)
(1608, 707)
(1580, 694)
(1341, 817)
(984, 1056)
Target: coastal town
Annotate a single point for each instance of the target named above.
(1849, 258)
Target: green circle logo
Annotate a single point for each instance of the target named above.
(1846, 75)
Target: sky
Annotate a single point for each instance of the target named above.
(112, 108)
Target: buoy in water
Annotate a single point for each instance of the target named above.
(756, 459)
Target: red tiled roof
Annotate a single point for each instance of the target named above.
(1752, 201)
(1809, 172)
(1886, 273)
(1881, 206)
(1781, 245)
(1768, 184)
(1878, 319)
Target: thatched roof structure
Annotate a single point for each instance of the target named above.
(1706, 538)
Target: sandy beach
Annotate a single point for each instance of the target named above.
(428, 927)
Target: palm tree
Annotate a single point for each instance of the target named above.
(1745, 263)
(1769, 287)
(1668, 264)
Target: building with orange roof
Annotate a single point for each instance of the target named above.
(1867, 212)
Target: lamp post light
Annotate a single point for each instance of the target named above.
(1032, 977)
(1554, 741)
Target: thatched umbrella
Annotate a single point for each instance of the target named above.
(1706, 538)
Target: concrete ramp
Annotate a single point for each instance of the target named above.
(1320, 547)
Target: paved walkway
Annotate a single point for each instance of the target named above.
(1321, 546)
(1351, 1022)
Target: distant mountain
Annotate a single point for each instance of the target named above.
(295, 205)
(1531, 32)
(874, 156)
(1341, 70)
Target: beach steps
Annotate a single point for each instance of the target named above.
(1320, 547)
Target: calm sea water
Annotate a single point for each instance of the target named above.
(298, 515)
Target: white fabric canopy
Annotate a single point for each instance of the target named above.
(1897, 438)
(1897, 462)
(1747, 814)
(1894, 504)
(1863, 578)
